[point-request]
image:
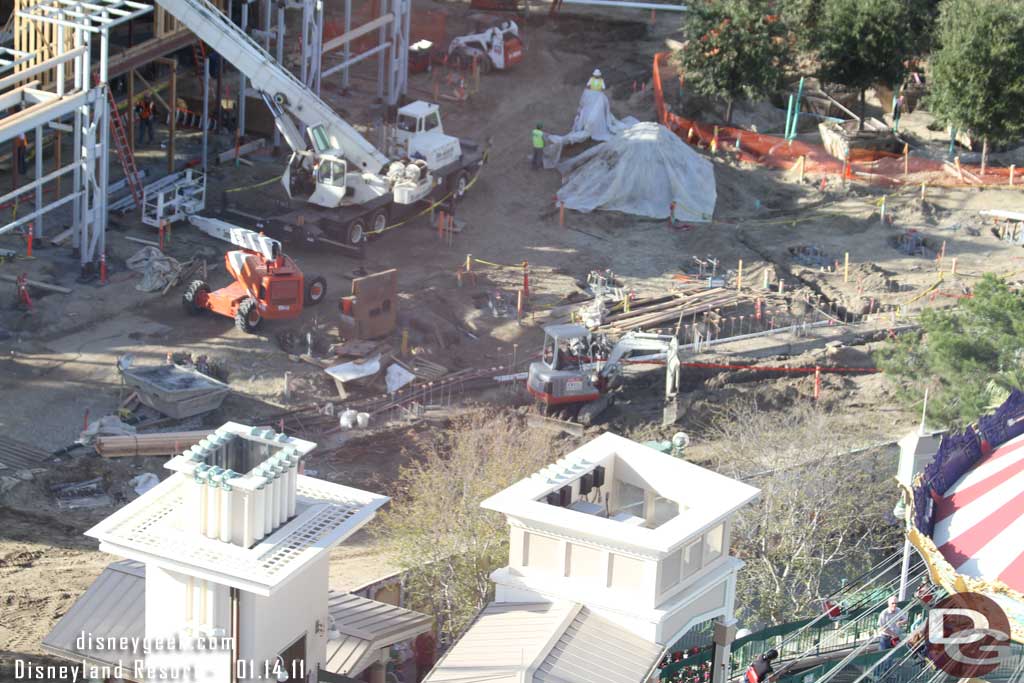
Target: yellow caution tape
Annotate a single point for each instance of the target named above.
(253, 187)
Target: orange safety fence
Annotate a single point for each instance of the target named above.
(870, 166)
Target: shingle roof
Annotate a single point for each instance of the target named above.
(114, 606)
(366, 626)
(504, 640)
(594, 650)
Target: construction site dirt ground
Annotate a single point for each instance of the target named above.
(59, 362)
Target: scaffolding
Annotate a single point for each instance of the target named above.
(76, 26)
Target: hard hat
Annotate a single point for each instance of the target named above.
(597, 72)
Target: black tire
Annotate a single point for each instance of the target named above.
(356, 233)
(378, 221)
(248, 317)
(316, 289)
(194, 298)
(460, 184)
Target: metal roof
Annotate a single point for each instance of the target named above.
(367, 626)
(503, 642)
(114, 606)
(16, 455)
(594, 650)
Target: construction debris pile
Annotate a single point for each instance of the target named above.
(645, 171)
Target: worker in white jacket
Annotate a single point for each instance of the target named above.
(596, 82)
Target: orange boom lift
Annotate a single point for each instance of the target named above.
(268, 285)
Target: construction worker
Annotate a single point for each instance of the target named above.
(538, 147)
(21, 152)
(144, 110)
(596, 82)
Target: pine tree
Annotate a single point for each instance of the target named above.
(963, 356)
(977, 80)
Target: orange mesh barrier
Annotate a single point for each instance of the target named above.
(873, 167)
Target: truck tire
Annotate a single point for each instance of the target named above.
(460, 184)
(356, 233)
(194, 298)
(316, 290)
(248, 317)
(379, 221)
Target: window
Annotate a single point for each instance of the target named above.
(549, 352)
(431, 121)
(320, 140)
(664, 510)
(542, 552)
(670, 571)
(331, 173)
(629, 499)
(692, 557)
(713, 542)
(406, 123)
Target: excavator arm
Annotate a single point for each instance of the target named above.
(296, 107)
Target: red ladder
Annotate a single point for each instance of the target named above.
(124, 150)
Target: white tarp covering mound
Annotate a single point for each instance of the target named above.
(642, 171)
(594, 121)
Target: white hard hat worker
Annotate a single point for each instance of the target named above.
(597, 73)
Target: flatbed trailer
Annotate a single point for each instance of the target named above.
(350, 227)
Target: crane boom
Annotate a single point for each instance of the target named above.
(324, 127)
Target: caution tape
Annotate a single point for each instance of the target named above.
(253, 187)
(499, 265)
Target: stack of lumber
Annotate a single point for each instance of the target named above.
(422, 368)
(164, 443)
(664, 310)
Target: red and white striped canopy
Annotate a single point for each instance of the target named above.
(979, 521)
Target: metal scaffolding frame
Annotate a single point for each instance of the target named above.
(392, 50)
(85, 103)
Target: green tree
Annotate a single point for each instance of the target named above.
(802, 17)
(977, 80)
(733, 49)
(825, 506)
(435, 528)
(863, 42)
(967, 357)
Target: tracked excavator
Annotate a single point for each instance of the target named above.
(580, 371)
(351, 188)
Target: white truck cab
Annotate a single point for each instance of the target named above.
(419, 134)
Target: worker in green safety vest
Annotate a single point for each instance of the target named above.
(538, 146)
(596, 81)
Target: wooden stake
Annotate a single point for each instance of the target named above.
(952, 266)
(561, 214)
(1012, 169)
(906, 158)
(959, 170)
(739, 276)
(846, 267)
(469, 262)
(801, 162)
(924, 186)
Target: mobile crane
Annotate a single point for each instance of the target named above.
(352, 186)
(582, 370)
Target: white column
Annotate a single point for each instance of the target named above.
(258, 513)
(268, 506)
(213, 509)
(725, 633)
(226, 499)
(276, 506)
(293, 479)
(204, 500)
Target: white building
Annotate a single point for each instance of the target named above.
(226, 577)
(616, 551)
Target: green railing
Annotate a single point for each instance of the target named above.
(804, 638)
